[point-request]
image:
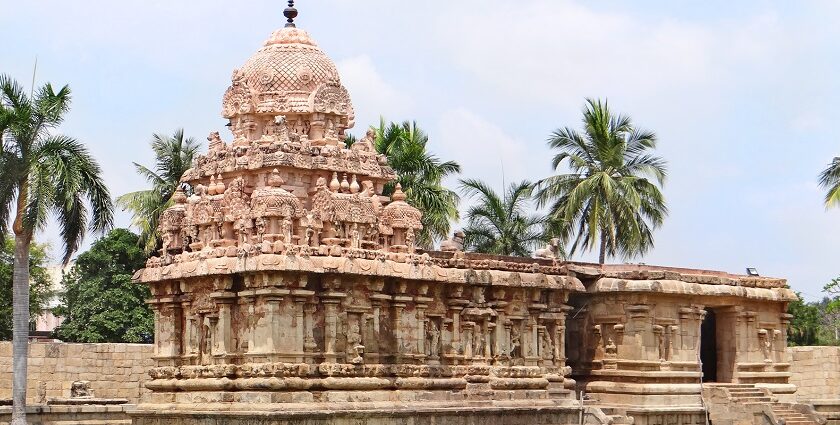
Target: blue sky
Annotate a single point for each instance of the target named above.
(742, 95)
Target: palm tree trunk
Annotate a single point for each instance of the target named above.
(20, 310)
(602, 257)
(20, 334)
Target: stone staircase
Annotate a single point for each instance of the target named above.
(761, 400)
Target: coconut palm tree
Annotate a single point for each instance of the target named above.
(42, 173)
(173, 156)
(605, 193)
(500, 224)
(830, 181)
(421, 175)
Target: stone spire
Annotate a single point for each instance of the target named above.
(290, 13)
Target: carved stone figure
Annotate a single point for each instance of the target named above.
(551, 251)
(515, 342)
(80, 389)
(546, 346)
(433, 336)
(354, 342)
(455, 243)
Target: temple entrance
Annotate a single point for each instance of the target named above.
(708, 347)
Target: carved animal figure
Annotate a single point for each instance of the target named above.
(551, 251)
(455, 243)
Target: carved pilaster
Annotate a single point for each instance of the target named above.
(330, 325)
(309, 344)
(421, 306)
(468, 329)
(223, 344)
(399, 305)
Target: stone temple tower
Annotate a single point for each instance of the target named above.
(288, 283)
(289, 290)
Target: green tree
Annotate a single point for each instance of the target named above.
(831, 307)
(421, 175)
(40, 286)
(804, 328)
(500, 225)
(41, 174)
(605, 196)
(100, 303)
(173, 156)
(830, 181)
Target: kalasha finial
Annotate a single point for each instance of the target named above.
(398, 194)
(290, 13)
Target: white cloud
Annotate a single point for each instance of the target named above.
(372, 96)
(484, 150)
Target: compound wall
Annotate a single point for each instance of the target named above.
(114, 370)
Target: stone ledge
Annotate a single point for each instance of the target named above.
(84, 401)
(45, 409)
(333, 409)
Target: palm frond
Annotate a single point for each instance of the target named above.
(829, 180)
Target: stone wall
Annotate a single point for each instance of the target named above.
(816, 371)
(114, 370)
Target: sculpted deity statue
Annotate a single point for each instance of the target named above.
(286, 230)
(260, 223)
(433, 336)
(309, 233)
(409, 240)
(515, 342)
(215, 142)
(610, 349)
(354, 342)
(281, 130)
(366, 143)
(330, 134)
(546, 347)
(355, 237)
(166, 243)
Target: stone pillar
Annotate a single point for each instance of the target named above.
(170, 329)
(272, 315)
(247, 300)
(560, 336)
(784, 322)
(378, 346)
(300, 327)
(330, 329)
(421, 306)
(469, 328)
(487, 350)
(504, 348)
(224, 327)
(501, 347)
(300, 296)
(187, 348)
(374, 330)
(399, 305)
(456, 345)
(309, 344)
(158, 340)
(210, 323)
(531, 354)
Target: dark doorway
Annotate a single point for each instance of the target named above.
(708, 347)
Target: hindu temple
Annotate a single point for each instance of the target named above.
(289, 290)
